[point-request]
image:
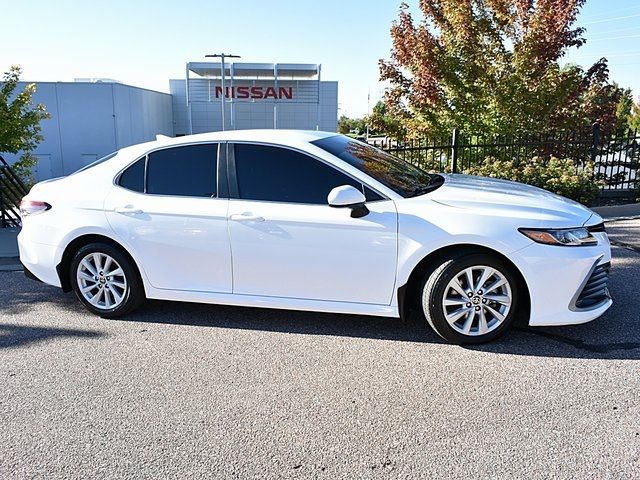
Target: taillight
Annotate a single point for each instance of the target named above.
(33, 207)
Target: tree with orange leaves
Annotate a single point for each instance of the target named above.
(493, 67)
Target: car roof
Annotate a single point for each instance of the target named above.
(283, 137)
(274, 135)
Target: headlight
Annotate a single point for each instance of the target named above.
(569, 237)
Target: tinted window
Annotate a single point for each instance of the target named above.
(187, 171)
(398, 175)
(281, 175)
(133, 177)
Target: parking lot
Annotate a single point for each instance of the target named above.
(184, 390)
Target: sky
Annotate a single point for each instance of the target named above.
(144, 43)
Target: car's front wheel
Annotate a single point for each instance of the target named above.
(106, 281)
(470, 299)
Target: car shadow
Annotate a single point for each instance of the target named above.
(15, 335)
(613, 336)
(284, 321)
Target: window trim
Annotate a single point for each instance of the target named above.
(116, 178)
(234, 190)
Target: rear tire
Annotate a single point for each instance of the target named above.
(470, 299)
(106, 281)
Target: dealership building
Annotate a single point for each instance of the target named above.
(91, 118)
(255, 95)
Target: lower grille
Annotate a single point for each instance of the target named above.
(595, 291)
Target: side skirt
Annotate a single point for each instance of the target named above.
(273, 302)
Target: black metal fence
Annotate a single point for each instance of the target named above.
(615, 157)
(12, 189)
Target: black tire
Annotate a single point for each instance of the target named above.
(435, 287)
(132, 295)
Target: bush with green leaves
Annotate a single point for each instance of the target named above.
(556, 175)
(24, 167)
(20, 122)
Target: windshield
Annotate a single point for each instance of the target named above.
(400, 176)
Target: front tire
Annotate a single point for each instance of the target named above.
(106, 281)
(470, 299)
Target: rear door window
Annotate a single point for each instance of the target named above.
(188, 170)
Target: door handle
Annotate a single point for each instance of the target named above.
(246, 217)
(128, 209)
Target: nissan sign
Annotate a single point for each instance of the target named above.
(255, 92)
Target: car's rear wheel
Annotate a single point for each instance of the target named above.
(106, 281)
(470, 299)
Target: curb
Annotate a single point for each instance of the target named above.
(625, 211)
(10, 264)
(11, 268)
(619, 219)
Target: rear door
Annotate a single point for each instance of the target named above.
(171, 211)
(288, 242)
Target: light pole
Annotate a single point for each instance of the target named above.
(367, 124)
(222, 56)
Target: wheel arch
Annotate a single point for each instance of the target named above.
(408, 293)
(77, 243)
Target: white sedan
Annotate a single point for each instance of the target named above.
(314, 221)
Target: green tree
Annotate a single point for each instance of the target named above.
(351, 125)
(344, 125)
(20, 121)
(634, 120)
(493, 66)
(381, 122)
(627, 112)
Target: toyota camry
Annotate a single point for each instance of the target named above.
(314, 221)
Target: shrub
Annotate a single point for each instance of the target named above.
(24, 168)
(557, 175)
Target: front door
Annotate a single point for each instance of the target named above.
(288, 242)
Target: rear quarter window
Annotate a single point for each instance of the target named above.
(133, 177)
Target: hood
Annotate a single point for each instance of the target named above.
(490, 196)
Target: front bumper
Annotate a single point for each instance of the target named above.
(594, 291)
(557, 276)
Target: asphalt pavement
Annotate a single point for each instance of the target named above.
(190, 391)
(625, 233)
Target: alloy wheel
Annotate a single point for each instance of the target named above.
(102, 281)
(477, 300)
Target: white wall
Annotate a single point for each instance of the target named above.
(90, 120)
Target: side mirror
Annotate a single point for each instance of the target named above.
(347, 196)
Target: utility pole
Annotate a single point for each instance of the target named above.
(222, 56)
(368, 114)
